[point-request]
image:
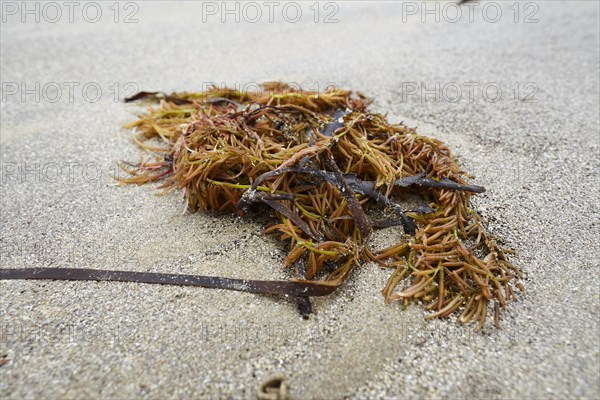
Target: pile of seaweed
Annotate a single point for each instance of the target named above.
(331, 172)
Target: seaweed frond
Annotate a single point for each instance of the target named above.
(318, 161)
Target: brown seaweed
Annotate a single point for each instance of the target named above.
(323, 156)
(318, 161)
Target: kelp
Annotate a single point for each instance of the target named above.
(322, 162)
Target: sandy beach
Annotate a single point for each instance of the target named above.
(512, 89)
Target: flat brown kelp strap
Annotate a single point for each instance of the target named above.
(301, 289)
(422, 180)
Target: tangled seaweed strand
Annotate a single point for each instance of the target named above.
(319, 160)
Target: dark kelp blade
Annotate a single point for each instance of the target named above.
(291, 288)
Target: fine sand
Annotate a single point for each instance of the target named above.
(60, 206)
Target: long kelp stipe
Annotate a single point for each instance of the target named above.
(318, 161)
